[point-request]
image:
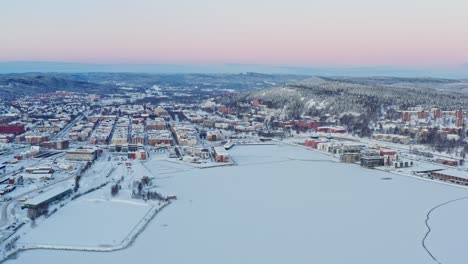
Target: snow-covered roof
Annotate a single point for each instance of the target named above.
(221, 151)
(455, 173)
(43, 197)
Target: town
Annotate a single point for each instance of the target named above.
(237, 132)
(58, 146)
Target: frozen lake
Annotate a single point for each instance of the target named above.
(285, 204)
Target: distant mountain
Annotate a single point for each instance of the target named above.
(229, 68)
(16, 85)
(20, 84)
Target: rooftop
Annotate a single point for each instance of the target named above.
(43, 197)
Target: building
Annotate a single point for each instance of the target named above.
(160, 112)
(39, 170)
(422, 115)
(350, 157)
(213, 135)
(313, 143)
(445, 161)
(202, 153)
(156, 137)
(455, 176)
(59, 144)
(139, 155)
(392, 138)
(221, 125)
(225, 110)
(390, 156)
(39, 205)
(402, 164)
(209, 123)
(307, 124)
(81, 154)
(157, 124)
(221, 154)
(327, 129)
(372, 161)
(405, 116)
(16, 129)
(5, 138)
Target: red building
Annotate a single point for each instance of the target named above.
(157, 141)
(405, 116)
(36, 139)
(138, 140)
(312, 143)
(225, 110)
(15, 129)
(454, 176)
(422, 115)
(387, 152)
(449, 162)
(221, 154)
(307, 124)
(331, 129)
(437, 113)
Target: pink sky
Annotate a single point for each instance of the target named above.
(295, 32)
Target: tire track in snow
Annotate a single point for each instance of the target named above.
(428, 216)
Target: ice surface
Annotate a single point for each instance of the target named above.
(284, 204)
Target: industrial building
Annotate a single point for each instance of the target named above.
(39, 205)
(452, 175)
(81, 154)
(372, 161)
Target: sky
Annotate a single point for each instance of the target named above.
(318, 33)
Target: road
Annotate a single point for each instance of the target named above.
(67, 128)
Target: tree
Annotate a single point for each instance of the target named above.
(77, 183)
(140, 187)
(114, 189)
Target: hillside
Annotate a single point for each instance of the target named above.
(17, 85)
(319, 96)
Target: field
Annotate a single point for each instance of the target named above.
(92, 220)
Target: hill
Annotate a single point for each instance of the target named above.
(17, 85)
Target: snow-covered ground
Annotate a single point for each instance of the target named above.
(284, 204)
(91, 220)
